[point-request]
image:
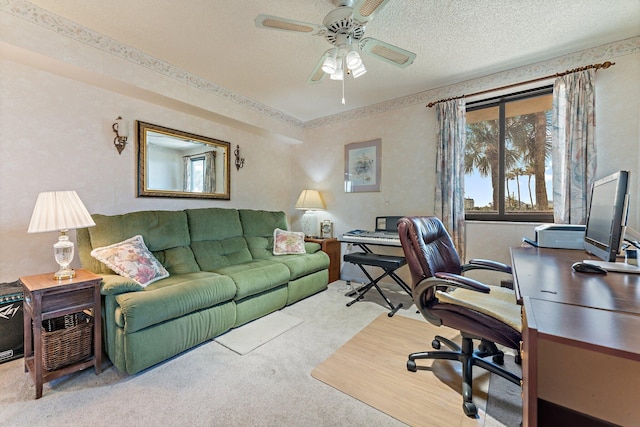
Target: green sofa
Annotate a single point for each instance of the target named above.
(222, 274)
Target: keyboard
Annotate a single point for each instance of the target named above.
(384, 238)
(617, 267)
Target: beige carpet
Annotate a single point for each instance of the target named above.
(371, 367)
(252, 335)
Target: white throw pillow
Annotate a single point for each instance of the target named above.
(288, 242)
(131, 258)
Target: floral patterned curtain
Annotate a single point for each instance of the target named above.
(449, 200)
(573, 148)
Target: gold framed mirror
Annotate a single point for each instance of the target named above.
(173, 163)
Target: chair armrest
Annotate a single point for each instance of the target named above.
(486, 264)
(113, 284)
(458, 281)
(312, 247)
(442, 280)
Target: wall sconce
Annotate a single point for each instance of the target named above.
(239, 160)
(121, 129)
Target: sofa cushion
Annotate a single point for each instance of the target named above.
(216, 238)
(172, 297)
(261, 223)
(287, 242)
(256, 276)
(301, 265)
(161, 230)
(213, 224)
(179, 260)
(258, 229)
(131, 258)
(212, 255)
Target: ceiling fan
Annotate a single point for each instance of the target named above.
(344, 28)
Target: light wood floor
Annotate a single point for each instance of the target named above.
(371, 367)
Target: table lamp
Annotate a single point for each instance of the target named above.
(310, 201)
(60, 211)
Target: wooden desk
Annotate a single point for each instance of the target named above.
(581, 340)
(546, 274)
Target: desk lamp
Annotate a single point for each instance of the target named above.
(60, 211)
(310, 201)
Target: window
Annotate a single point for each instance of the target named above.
(196, 176)
(508, 168)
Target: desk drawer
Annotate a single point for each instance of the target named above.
(72, 301)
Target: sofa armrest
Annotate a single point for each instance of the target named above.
(311, 247)
(113, 284)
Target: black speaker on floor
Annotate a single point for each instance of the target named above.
(11, 321)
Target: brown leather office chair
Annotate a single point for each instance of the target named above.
(446, 298)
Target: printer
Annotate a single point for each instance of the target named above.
(559, 236)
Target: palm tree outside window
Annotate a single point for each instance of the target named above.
(507, 161)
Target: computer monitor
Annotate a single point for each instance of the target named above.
(607, 216)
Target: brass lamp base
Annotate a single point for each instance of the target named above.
(64, 273)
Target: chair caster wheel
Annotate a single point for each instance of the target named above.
(435, 344)
(498, 359)
(411, 366)
(470, 409)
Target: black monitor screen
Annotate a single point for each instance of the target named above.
(607, 216)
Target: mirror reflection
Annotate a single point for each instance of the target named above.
(173, 163)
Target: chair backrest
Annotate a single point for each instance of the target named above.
(427, 247)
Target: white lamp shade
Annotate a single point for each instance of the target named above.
(59, 210)
(310, 200)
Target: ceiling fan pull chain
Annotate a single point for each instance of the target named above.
(343, 103)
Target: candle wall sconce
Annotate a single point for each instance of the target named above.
(239, 160)
(121, 129)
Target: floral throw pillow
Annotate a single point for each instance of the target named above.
(131, 258)
(287, 242)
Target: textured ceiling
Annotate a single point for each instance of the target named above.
(455, 40)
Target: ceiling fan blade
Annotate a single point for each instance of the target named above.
(317, 74)
(276, 23)
(365, 10)
(394, 55)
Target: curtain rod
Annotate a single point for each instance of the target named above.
(604, 65)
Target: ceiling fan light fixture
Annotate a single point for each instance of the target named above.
(353, 60)
(339, 73)
(358, 71)
(329, 65)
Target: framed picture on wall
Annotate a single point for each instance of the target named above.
(362, 166)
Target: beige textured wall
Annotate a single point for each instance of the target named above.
(59, 97)
(408, 137)
(56, 135)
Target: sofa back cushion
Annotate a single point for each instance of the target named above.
(165, 233)
(258, 229)
(216, 238)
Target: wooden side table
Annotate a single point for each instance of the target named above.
(331, 246)
(47, 298)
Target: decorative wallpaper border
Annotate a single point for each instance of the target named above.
(43, 18)
(46, 19)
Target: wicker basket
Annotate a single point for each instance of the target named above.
(66, 340)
